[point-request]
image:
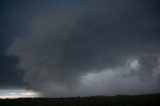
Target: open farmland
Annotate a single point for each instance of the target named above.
(119, 100)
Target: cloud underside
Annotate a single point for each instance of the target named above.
(66, 51)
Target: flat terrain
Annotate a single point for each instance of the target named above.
(119, 100)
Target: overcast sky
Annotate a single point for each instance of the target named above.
(79, 47)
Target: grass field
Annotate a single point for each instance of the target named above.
(119, 100)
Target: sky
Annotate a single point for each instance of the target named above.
(55, 48)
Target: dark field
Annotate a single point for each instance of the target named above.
(119, 100)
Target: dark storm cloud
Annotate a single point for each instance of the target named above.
(66, 44)
(9, 77)
(8, 72)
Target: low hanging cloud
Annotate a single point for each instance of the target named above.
(64, 47)
(147, 66)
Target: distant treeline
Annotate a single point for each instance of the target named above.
(119, 100)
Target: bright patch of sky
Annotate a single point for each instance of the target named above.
(17, 93)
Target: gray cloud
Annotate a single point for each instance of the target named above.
(147, 65)
(63, 47)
